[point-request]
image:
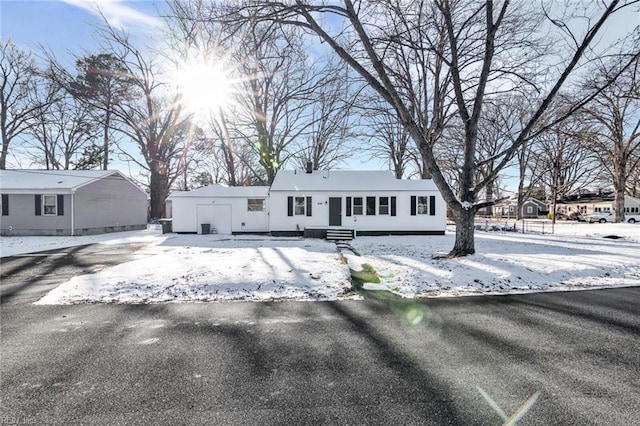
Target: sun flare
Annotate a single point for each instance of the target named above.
(204, 87)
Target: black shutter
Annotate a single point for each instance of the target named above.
(60, 205)
(308, 206)
(348, 206)
(38, 205)
(413, 205)
(432, 205)
(289, 206)
(393, 206)
(5, 204)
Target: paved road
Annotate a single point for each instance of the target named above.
(378, 361)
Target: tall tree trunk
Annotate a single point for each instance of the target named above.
(105, 139)
(619, 188)
(465, 229)
(158, 191)
(3, 155)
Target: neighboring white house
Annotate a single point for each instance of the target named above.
(587, 204)
(367, 202)
(70, 202)
(222, 209)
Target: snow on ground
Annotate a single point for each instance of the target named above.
(576, 256)
(206, 268)
(16, 245)
(212, 267)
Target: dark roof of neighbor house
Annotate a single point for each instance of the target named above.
(347, 180)
(52, 181)
(590, 197)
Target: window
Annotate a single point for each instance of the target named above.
(529, 209)
(371, 206)
(299, 207)
(357, 206)
(422, 205)
(384, 205)
(256, 205)
(49, 205)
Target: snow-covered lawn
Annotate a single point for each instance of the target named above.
(576, 256)
(204, 268)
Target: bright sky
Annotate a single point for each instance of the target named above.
(65, 26)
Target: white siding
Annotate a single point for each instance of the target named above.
(403, 221)
(190, 212)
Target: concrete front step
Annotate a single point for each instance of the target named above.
(340, 234)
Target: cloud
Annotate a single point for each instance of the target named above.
(117, 13)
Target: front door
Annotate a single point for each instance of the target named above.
(335, 211)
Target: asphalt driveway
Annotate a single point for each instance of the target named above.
(378, 361)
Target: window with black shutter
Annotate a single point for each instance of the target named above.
(432, 205)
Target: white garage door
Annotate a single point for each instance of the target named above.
(217, 216)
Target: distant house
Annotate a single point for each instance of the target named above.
(69, 202)
(222, 209)
(315, 203)
(589, 203)
(531, 208)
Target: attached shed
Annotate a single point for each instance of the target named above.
(315, 203)
(70, 202)
(226, 210)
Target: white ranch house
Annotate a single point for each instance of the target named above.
(327, 203)
(587, 204)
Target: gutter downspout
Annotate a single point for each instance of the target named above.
(73, 209)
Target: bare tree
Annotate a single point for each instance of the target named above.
(332, 124)
(490, 47)
(152, 117)
(19, 101)
(615, 117)
(560, 159)
(389, 139)
(61, 132)
(278, 85)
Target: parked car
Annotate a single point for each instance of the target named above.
(632, 218)
(601, 217)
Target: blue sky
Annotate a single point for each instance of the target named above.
(63, 26)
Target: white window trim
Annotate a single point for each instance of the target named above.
(44, 210)
(264, 204)
(295, 206)
(361, 206)
(380, 205)
(425, 205)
